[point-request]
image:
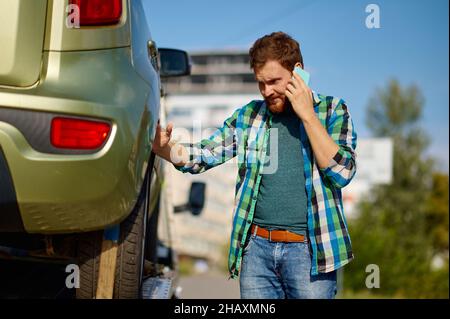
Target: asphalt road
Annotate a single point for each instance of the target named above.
(210, 285)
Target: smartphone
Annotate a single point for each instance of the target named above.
(303, 74)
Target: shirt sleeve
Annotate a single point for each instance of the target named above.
(220, 147)
(342, 166)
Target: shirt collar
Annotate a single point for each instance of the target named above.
(316, 98)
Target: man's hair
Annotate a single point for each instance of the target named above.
(277, 46)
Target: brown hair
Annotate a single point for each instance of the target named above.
(277, 46)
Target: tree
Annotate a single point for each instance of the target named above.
(436, 226)
(391, 229)
(437, 214)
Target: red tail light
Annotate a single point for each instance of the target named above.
(99, 12)
(78, 134)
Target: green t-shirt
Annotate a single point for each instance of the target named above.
(282, 200)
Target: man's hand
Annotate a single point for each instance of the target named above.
(300, 96)
(162, 138)
(167, 149)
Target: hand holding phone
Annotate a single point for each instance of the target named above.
(300, 97)
(303, 74)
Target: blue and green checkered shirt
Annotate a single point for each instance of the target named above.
(245, 135)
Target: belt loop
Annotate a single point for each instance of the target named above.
(255, 230)
(270, 234)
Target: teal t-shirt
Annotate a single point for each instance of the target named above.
(282, 201)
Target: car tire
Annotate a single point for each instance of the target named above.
(130, 259)
(88, 255)
(130, 254)
(151, 236)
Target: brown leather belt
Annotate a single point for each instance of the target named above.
(277, 235)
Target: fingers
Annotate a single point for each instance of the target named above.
(158, 128)
(169, 128)
(296, 82)
(289, 95)
(295, 91)
(164, 133)
(290, 87)
(299, 83)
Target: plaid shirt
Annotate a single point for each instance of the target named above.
(245, 135)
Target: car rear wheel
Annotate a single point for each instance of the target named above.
(130, 253)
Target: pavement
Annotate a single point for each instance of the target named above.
(209, 285)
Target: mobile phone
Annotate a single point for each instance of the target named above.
(303, 74)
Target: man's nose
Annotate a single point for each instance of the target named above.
(268, 90)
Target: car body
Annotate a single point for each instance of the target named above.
(80, 98)
(106, 77)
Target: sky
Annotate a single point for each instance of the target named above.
(344, 57)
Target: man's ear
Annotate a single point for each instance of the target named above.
(298, 64)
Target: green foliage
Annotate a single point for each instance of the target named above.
(402, 226)
(437, 213)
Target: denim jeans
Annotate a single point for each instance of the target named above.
(279, 270)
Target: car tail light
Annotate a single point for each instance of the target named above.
(99, 12)
(78, 134)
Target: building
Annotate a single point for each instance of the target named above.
(216, 72)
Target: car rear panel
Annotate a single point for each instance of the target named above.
(28, 28)
(84, 73)
(61, 193)
(22, 30)
(59, 37)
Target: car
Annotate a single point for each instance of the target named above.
(80, 92)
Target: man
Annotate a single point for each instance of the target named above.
(289, 231)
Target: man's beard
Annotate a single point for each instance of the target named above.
(279, 106)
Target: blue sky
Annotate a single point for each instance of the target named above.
(345, 58)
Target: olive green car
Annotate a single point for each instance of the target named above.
(79, 102)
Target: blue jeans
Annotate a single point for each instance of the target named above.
(278, 270)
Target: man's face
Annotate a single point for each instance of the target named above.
(272, 80)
